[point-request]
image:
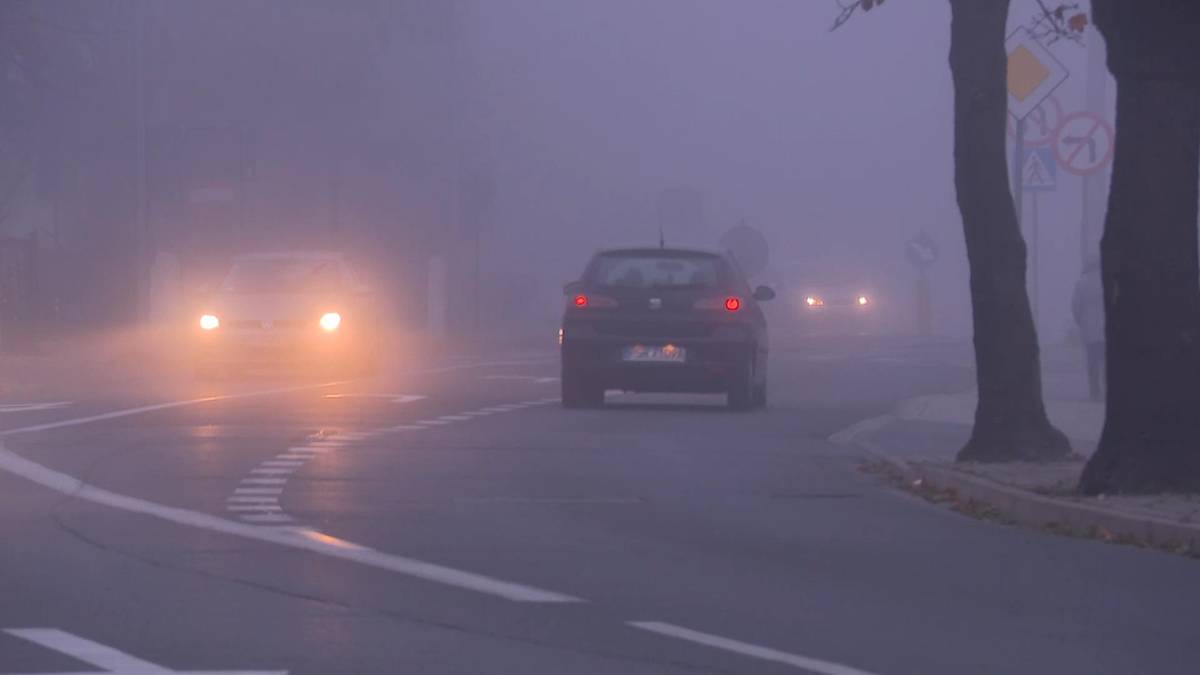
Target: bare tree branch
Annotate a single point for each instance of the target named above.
(845, 11)
(1060, 23)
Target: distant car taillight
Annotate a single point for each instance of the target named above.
(582, 301)
(730, 303)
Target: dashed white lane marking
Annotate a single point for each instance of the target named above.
(258, 491)
(106, 658)
(455, 418)
(527, 378)
(747, 649)
(269, 471)
(281, 462)
(264, 481)
(307, 540)
(395, 398)
(435, 423)
(251, 499)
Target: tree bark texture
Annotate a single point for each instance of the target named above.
(1151, 437)
(1010, 420)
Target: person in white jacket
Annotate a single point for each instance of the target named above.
(1087, 304)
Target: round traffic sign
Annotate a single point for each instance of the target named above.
(748, 246)
(1084, 143)
(922, 250)
(1041, 124)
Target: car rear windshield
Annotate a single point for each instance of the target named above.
(283, 275)
(656, 270)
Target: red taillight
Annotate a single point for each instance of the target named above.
(582, 301)
(733, 304)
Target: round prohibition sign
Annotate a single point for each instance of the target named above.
(1041, 124)
(1084, 143)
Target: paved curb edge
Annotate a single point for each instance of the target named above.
(1025, 507)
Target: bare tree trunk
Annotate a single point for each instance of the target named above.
(1010, 421)
(1151, 437)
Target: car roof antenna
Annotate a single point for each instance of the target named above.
(662, 240)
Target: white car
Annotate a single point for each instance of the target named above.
(301, 309)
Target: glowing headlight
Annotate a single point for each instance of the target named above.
(863, 300)
(330, 321)
(209, 322)
(813, 301)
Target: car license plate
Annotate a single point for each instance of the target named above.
(664, 354)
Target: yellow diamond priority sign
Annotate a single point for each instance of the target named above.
(1033, 73)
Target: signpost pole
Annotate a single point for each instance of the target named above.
(1035, 234)
(924, 315)
(1018, 180)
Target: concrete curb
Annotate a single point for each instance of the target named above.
(1029, 508)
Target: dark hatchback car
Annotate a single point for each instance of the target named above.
(664, 320)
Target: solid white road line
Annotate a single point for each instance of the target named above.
(315, 542)
(747, 649)
(29, 407)
(105, 658)
(267, 518)
(159, 406)
(108, 659)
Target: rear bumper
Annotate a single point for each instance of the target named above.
(259, 348)
(710, 366)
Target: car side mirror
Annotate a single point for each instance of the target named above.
(764, 293)
(573, 288)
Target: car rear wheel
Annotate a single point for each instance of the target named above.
(742, 394)
(578, 391)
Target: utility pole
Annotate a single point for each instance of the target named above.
(145, 249)
(1095, 186)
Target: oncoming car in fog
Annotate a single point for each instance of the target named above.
(664, 320)
(303, 309)
(834, 304)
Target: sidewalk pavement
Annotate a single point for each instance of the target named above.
(920, 439)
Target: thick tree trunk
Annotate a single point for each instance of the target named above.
(1151, 437)
(1010, 421)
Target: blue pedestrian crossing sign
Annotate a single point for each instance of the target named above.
(1039, 171)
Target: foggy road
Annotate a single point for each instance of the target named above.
(452, 518)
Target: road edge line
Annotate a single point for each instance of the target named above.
(321, 544)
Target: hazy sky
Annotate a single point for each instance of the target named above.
(836, 145)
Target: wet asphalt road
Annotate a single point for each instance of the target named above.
(451, 518)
